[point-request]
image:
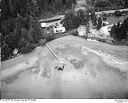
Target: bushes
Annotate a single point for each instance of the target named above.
(42, 42)
(120, 31)
(104, 16)
(84, 17)
(48, 34)
(28, 48)
(71, 21)
(117, 13)
(73, 32)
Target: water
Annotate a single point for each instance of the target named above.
(84, 76)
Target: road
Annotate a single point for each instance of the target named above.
(60, 17)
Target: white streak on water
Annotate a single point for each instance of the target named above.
(109, 59)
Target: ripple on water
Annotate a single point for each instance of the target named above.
(46, 73)
(11, 79)
(77, 64)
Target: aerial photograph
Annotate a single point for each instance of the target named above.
(64, 49)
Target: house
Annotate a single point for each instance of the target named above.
(104, 23)
(58, 28)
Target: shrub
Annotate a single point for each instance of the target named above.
(84, 17)
(117, 13)
(48, 34)
(73, 32)
(120, 31)
(104, 16)
(42, 42)
(28, 48)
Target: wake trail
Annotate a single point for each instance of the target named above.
(109, 59)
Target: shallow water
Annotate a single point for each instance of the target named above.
(87, 74)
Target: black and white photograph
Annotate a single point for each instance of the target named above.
(64, 49)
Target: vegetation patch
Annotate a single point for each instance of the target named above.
(20, 29)
(119, 32)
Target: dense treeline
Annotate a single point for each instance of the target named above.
(19, 28)
(10, 8)
(101, 5)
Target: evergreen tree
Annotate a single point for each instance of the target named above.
(99, 24)
(71, 21)
(93, 18)
(6, 52)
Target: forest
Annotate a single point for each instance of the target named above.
(20, 29)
